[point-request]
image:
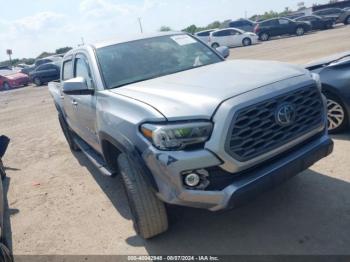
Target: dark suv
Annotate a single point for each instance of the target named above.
(337, 14)
(280, 26)
(243, 24)
(45, 73)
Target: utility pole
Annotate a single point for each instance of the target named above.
(245, 15)
(82, 41)
(139, 19)
(9, 52)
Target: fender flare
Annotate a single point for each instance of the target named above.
(124, 146)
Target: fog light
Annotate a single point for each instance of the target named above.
(192, 180)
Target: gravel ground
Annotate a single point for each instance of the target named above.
(60, 204)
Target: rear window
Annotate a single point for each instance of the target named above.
(222, 33)
(269, 23)
(207, 33)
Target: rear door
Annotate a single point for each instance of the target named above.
(224, 37)
(47, 72)
(286, 26)
(236, 38)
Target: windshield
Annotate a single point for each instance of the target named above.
(131, 62)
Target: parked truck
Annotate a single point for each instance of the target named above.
(182, 126)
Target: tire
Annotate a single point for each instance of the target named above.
(5, 254)
(148, 212)
(246, 41)
(37, 81)
(2, 170)
(337, 115)
(347, 20)
(264, 37)
(6, 86)
(300, 31)
(215, 45)
(68, 134)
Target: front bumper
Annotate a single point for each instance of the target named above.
(168, 166)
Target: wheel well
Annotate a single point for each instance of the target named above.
(346, 19)
(110, 153)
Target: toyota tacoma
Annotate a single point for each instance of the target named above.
(182, 126)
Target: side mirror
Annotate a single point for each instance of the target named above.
(224, 51)
(76, 86)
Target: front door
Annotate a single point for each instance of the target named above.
(86, 104)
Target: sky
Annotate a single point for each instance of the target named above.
(29, 27)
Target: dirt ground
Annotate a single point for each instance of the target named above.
(60, 204)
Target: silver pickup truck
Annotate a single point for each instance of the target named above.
(183, 126)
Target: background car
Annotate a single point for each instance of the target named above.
(39, 62)
(204, 35)
(232, 37)
(45, 73)
(243, 24)
(317, 22)
(335, 76)
(11, 79)
(280, 26)
(339, 15)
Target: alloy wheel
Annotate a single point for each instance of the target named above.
(300, 31)
(264, 37)
(6, 86)
(336, 114)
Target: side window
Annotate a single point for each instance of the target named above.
(223, 33)
(67, 70)
(283, 22)
(234, 32)
(82, 69)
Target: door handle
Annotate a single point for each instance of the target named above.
(75, 103)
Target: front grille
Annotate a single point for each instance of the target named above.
(255, 131)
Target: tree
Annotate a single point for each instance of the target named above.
(191, 29)
(63, 50)
(44, 54)
(165, 28)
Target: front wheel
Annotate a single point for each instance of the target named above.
(215, 45)
(337, 117)
(148, 212)
(300, 31)
(246, 42)
(37, 81)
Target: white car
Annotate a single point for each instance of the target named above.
(204, 35)
(232, 37)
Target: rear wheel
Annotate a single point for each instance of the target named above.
(337, 116)
(215, 45)
(37, 81)
(68, 134)
(264, 37)
(6, 86)
(148, 212)
(347, 20)
(246, 41)
(2, 170)
(300, 31)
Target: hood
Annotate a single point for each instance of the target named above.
(16, 76)
(198, 92)
(325, 60)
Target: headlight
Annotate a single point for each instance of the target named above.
(317, 79)
(177, 136)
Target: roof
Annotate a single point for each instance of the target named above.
(133, 38)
